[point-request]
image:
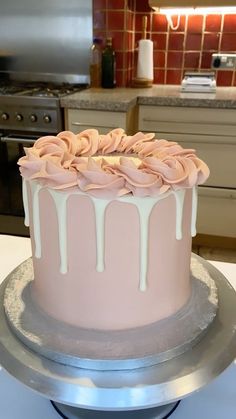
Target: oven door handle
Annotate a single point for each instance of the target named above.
(17, 140)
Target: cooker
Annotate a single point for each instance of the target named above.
(27, 111)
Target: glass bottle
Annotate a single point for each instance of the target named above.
(95, 63)
(108, 65)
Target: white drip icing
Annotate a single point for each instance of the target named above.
(100, 206)
(143, 205)
(194, 212)
(25, 202)
(179, 198)
(35, 189)
(60, 200)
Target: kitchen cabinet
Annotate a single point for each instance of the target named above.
(212, 133)
(77, 120)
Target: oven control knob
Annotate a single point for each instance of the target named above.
(19, 117)
(5, 116)
(47, 119)
(33, 117)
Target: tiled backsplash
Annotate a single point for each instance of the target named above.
(188, 48)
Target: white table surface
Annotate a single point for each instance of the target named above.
(215, 401)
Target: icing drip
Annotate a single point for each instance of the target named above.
(179, 198)
(35, 189)
(144, 214)
(60, 200)
(100, 206)
(25, 202)
(143, 205)
(194, 212)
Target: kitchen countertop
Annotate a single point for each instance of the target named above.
(122, 99)
(118, 100)
(216, 400)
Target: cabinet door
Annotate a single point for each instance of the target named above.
(216, 211)
(79, 119)
(219, 156)
(214, 143)
(180, 120)
(212, 133)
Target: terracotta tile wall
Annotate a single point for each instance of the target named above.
(116, 19)
(188, 48)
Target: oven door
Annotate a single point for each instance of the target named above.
(11, 204)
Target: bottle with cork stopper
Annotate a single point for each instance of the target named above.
(108, 65)
(95, 63)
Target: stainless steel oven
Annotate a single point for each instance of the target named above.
(27, 112)
(11, 205)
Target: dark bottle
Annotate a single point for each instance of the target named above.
(108, 65)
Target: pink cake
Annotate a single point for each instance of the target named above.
(111, 219)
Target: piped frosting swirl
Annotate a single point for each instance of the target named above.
(112, 165)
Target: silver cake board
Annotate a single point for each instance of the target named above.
(137, 390)
(110, 350)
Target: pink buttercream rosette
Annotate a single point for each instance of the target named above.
(66, 160)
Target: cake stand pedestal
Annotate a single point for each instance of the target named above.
(143, 393)
(160, 412)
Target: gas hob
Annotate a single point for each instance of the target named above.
(46, 90)
(33, 107)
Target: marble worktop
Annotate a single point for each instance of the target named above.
(122, 99)
(117, 100)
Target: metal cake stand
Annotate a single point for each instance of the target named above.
(150, 392)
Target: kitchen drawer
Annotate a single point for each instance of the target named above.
(218, 153)
(104, 121)
(216, 211)
(211, 132)
(169, 119)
